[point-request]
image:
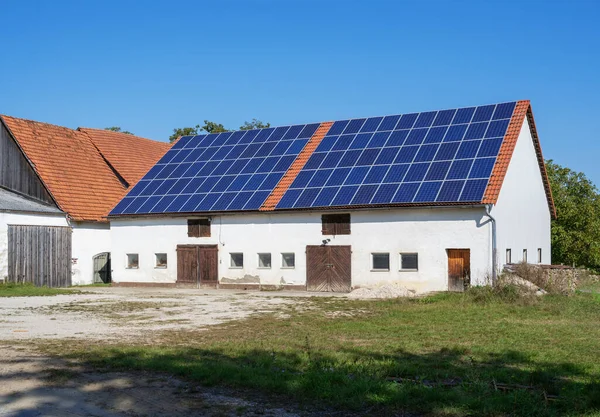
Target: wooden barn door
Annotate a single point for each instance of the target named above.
(102, 269)
(328, 268)
(40, 255)
(459, 269)
(197, 265)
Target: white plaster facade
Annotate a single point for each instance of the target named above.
(522, 217)
(25, 219)
(428, 232)
(521, 212)
(89, 239)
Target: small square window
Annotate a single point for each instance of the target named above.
(508, 256)
(409, 261)
(524, 255)
(288, 260)
(381, 261)
(264, 260)
(539, 255)
(133, 261)
(237, 260)
(161, 260)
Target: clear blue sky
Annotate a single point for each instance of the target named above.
(152, 66)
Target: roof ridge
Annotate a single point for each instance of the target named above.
(37, 122)
(111, 132)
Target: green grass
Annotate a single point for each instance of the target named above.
(448, 351)
(29, 290)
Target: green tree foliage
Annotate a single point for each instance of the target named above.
(184, 131)
(576, 231)
(213, 127)
(118, 129)
(254, 124)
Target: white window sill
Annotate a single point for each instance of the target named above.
(380, 270)
(288, 267)
(408, 270)
(264, 267)
(160, 267)
(236, 267)
(132, 267)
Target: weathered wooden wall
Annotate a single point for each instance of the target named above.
(15, 171)
(40, 255)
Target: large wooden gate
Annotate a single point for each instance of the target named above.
(40, 255)
(328, 268)
(197, 265)
(459, 269)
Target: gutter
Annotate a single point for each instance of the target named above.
(488, 208)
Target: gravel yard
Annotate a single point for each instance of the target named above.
(37, 385)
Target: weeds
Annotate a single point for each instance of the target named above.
(11, 289)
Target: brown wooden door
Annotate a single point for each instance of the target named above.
(197, 265)
(328, 268)
(187, 265)
(209, 259)
(459, 269)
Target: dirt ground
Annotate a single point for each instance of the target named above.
(36, 385)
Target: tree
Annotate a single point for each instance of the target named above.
(183, 131)
(118, 129)
(213, 127)
(576, 231)
(254, 124)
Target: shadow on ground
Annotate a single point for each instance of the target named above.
(445, 382)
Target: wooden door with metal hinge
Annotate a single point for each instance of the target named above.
(197, 265)
(459, 269)
(328, 268)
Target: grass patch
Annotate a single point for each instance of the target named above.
(10, 289)
(444, 355)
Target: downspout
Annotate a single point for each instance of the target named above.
(488, 208)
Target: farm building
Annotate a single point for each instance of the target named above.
(434, 200)
(57, 186)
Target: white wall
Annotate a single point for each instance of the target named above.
(429, 232)
(522, 213)
(7, 219)
(89, 239)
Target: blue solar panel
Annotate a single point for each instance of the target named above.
(443, 156)
(437, 156)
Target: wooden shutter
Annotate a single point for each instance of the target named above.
(335, 224)
(204, 225)
(193, 228)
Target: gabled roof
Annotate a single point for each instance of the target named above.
(131, 156)
(73, 169)
(446, 157)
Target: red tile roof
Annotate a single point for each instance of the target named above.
(522, 109)
(74, 171)
(291, 174)
(131, 156)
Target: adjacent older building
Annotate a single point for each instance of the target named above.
(435, 200)
(57, 186)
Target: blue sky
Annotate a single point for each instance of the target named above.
(152, 66)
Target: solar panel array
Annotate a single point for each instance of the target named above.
(432, 157)
(229, 171)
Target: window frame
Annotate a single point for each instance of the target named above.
(373, 269)
(231, 266)
(199, 227)
(401, 263)
(334, 224)
(258, 255)
(128, 263)
(293, 257)
(156, 264)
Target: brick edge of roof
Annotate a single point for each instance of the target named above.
(492, 192)
(288, 178)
